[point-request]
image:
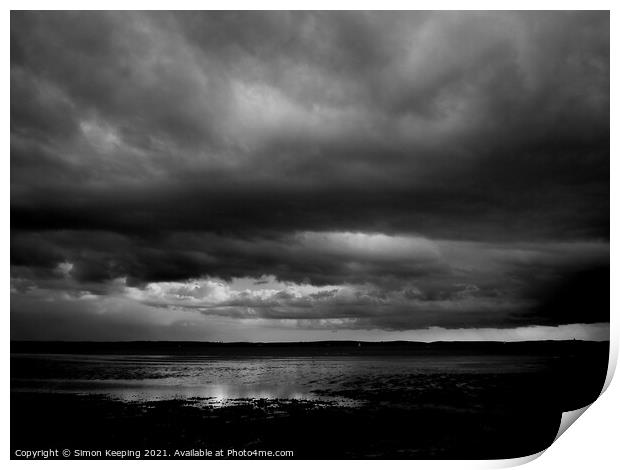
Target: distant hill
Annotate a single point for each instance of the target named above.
(319, 348)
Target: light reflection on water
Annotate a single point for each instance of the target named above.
(221, 381)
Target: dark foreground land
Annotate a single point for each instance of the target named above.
(443, 414)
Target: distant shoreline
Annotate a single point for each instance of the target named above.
(305, 348)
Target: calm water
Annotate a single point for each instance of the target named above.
(144, 378)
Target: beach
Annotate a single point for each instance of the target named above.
(322, 401)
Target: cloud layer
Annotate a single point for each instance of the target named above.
(389, 171)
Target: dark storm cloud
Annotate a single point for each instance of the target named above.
(463, 120)
(162, 147)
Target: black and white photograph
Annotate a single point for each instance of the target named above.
(306, 235)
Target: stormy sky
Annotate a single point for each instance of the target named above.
(284, 176)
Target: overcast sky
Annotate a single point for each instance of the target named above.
(306, 176)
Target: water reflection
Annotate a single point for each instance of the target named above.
(220, 381)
